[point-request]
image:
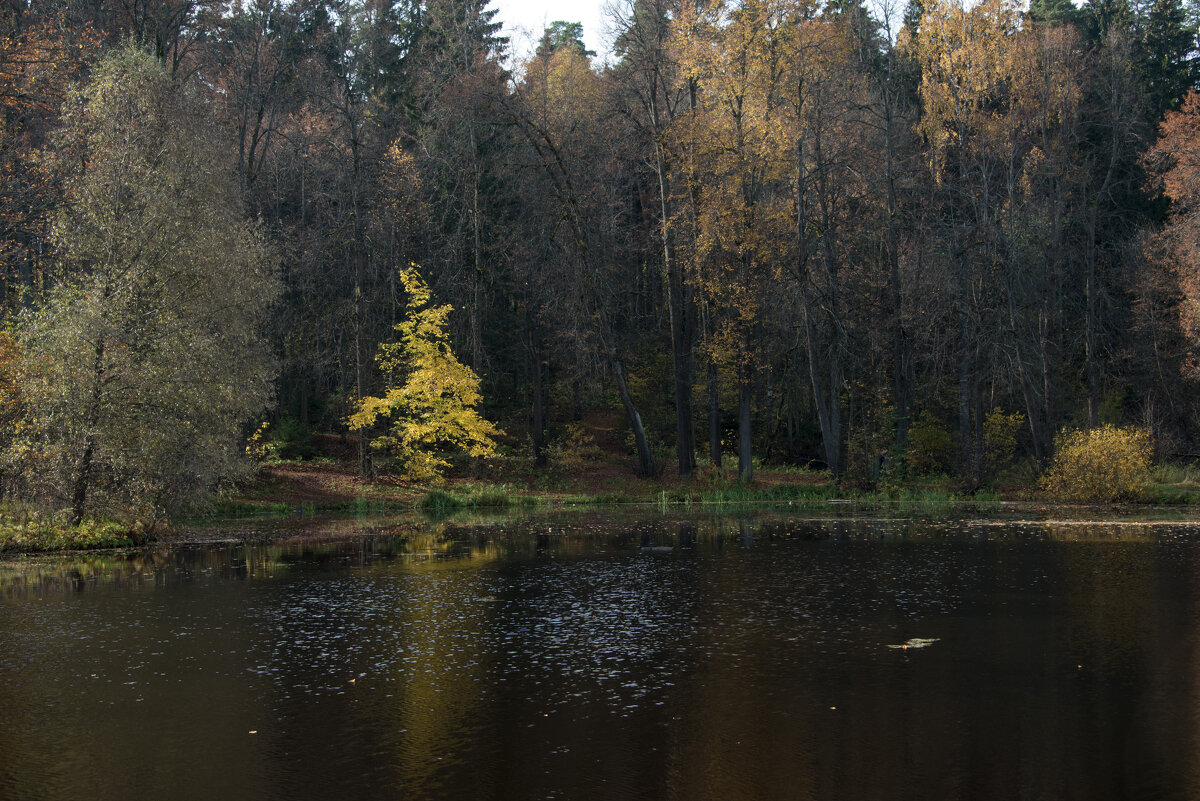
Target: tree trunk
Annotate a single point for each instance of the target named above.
(827, 417)
(476, 315)
(302, 403)
(977, 432)
(360, 364)
(964, 393)
(714, 415)
(712, 389)
(1033, 404)
(83, 473)
(82, 477)
(902, 385)
(745, 395)
(362, 361)
(538, 422)
(683, 329)
(1093, 377)
(645, 460)
(901, 358)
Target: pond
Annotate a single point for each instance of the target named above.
(612, 657)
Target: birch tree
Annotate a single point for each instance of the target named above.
(142, 366)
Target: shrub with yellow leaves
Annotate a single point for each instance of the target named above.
(1108, 464)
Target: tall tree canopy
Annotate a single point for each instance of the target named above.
(142, 364)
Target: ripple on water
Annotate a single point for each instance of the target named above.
(751, 663)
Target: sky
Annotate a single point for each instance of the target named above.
(524, 21)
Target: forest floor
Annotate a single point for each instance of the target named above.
(592, 464)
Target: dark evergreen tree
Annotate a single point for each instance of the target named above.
(562, 34)
(1054, 12)
(1102, 17)
(1166, 56)
(913, 12)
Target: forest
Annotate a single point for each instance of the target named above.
(861, 238)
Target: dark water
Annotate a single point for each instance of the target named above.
(612, 659)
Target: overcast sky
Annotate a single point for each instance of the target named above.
(524, 21)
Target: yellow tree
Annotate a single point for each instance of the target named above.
(730, 147)
(436, 406)
(964, 56)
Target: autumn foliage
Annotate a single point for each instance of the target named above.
(432, 405)
(1109, 464)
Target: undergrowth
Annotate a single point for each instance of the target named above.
(25, 530)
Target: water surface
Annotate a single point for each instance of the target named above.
(608, 658)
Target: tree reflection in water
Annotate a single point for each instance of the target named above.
(611, 657)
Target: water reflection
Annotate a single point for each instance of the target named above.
(589, 657)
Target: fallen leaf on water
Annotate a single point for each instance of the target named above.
(916, 642)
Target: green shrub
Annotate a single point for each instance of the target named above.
(1000, 438)
(1101, 465)
(288, 440)
(574, 448)
(293, 440)
(930, 446)
(479, 497)
(490, 496)
(439, 501)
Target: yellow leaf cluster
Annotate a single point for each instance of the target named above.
(986, 80)
(766, 75)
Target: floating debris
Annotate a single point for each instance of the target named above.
(916, 642)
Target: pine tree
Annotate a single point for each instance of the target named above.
(1166, 56)
(563, 34)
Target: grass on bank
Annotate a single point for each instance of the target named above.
(223, 506)
(237, 508)
(1174, 485)
(27, 530)
(926, 497)
(23, 529)
(484, 496)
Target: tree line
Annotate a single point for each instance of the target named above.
(866, 238)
